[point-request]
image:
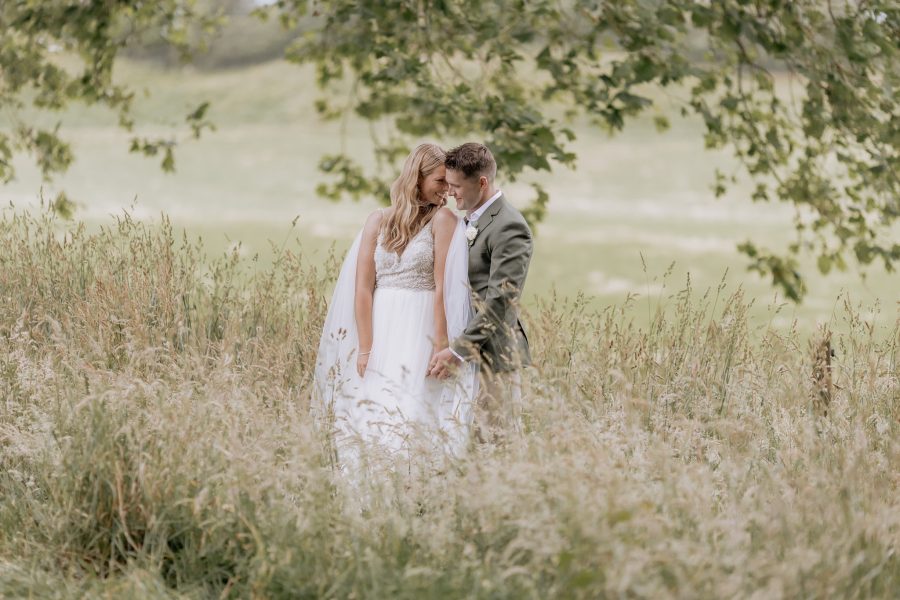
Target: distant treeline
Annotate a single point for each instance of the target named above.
(244, 39)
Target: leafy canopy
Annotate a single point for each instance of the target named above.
(437, 68)
(57, 52)
(503, 70)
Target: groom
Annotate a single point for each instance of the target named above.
(499, 252)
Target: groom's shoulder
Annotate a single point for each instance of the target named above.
(513, 216)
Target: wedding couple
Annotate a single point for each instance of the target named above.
(423, 343)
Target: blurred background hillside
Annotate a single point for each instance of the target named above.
(636, 218)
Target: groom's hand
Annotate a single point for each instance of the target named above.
(442, 364)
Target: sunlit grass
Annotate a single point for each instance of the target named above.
(155, 442)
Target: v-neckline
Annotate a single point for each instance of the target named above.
(412, 239)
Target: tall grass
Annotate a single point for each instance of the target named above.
(155, 442)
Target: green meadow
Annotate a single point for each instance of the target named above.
(635, 219)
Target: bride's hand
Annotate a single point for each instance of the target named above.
(362, 362)
(442, 364)
(435, 350)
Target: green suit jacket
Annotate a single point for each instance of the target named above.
(498, 264)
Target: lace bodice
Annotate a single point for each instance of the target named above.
(412, 270)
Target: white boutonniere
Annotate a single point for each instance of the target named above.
(471, 233)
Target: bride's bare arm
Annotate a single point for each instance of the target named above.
(365, 289)
(443, 228)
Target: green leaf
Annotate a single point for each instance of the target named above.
(63, 206)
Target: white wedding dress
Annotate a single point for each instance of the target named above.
(395, 411)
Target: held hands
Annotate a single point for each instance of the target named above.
(442, 364)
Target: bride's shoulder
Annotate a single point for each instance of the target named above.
(445, 217)
(374, 221)
(377, 216)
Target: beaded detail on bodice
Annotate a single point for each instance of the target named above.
(412, 270)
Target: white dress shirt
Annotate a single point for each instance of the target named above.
(474, 215)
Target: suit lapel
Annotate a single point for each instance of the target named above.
(492, 212)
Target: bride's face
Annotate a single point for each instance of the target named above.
(433, 188)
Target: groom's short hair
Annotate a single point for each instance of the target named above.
(473, 159)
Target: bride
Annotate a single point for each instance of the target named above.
(401, 295)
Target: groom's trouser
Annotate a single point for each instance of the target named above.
(498, 406)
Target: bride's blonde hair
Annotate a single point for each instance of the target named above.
(409, 212)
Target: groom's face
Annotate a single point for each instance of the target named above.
(466, 190)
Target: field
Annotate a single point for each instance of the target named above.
(155, 440)
(637, 204)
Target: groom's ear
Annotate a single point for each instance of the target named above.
(483, 182)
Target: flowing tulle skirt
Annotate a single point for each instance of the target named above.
(397, 409)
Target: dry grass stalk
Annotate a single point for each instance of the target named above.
(821, 372)
(155, 442)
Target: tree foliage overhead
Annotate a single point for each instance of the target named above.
(57, 52)
(515, 72)
(830, 146)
